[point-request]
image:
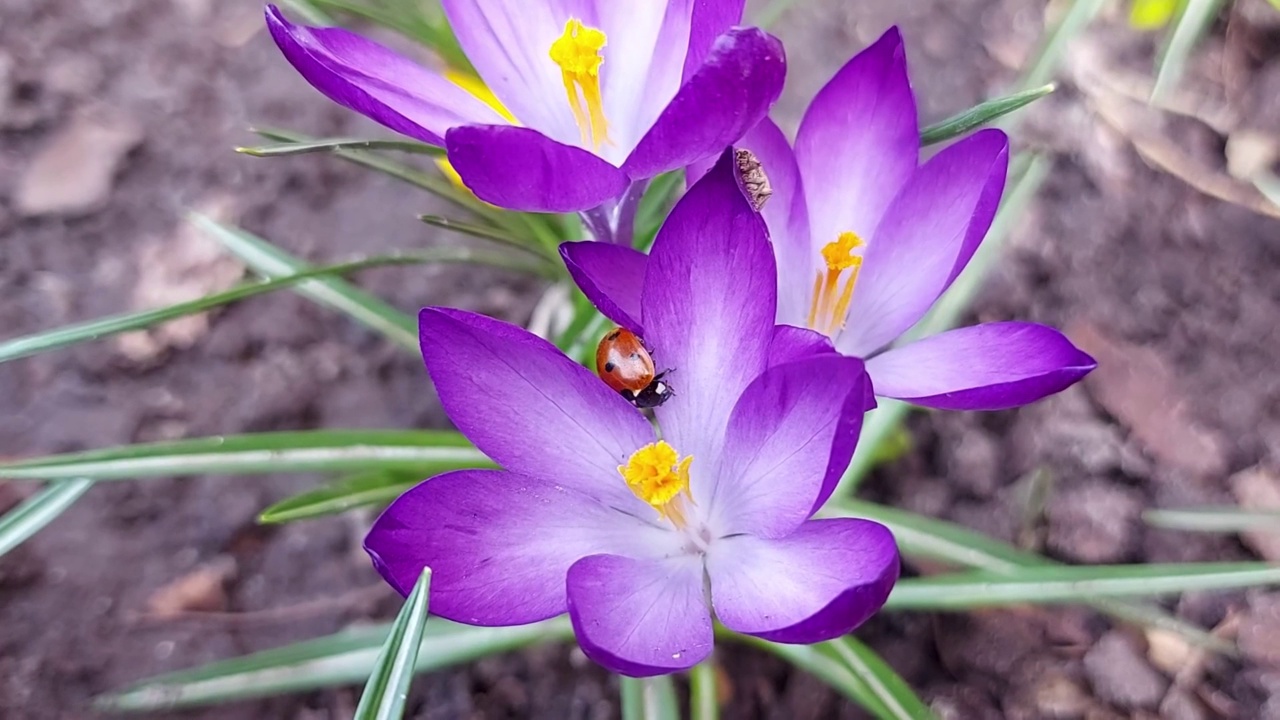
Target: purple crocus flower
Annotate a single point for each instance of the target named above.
(867, 238)
(601, 95)
(641, 538)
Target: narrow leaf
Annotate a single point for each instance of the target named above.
(1268, 184)
(39, 510)
(481, 231)
(332, 144)
(1214, 520)
(433, 184)
(1059, 584)
(422, 452)
(309, 12)
(927, 537)
(1073, 22)
(980, 115)
(651, 698)
(704, 701)
(879, 426)
(823, 666)
(106, 327)
(366, 488)
(388, 685)
(1189, 26)
(268, 260)
(888, 687)
(341, 659)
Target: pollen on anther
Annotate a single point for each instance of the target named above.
(657, 475)
(577, 53)
(839, 252)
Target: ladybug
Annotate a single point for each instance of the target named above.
(625, 365)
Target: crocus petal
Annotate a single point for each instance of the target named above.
(643, 63)
(983, 215)
(789, 439)
(910, 259)
(522, 169)
(792, 343)
(499, 545)
(984, 367)
(787, 217)
(818, 583)
(711, 18)
(509, 43)
(640, 617)
(377, 82)
(708, 305)
(785, 214)
(740, 79)
(611, 276)
(858, 143)
(530, 408)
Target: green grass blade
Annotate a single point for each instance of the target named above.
(434, 184)
(1028, 172)
(1268, 184)
(424, 452)
(341, 659)
(515, 223)
(1070, 584)
(499, 235)
(308, 11)
(39, 510)
(1214, 520)
(649, 698)
(655, 204)
(927, 537)
(408, 20)
(704, 701)
(332, 144)
(272, 262)
(770, 13)
(823, 666)
(388, 685)
(1071, 24)
(1188, 27)
(980, 115)
(106, 327)
(352, 491)
(888, 687)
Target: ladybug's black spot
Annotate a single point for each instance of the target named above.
(613, 335)
(609, 366)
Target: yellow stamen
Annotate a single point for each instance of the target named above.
(577, 52)
(827, 312)
(476, 86)
(657, 475)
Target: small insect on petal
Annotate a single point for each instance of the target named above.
(751, 171)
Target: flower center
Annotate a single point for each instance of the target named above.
(577, 52)
(657, 475)
(831, 299)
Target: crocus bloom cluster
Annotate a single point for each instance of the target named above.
(593, 96)
(641, 538)
(866, 240)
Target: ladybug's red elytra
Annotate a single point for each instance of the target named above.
(625, 365)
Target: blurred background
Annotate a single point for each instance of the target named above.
(1147, 243)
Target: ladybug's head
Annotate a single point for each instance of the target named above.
(654, 395)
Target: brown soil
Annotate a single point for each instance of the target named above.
(1175, 291)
